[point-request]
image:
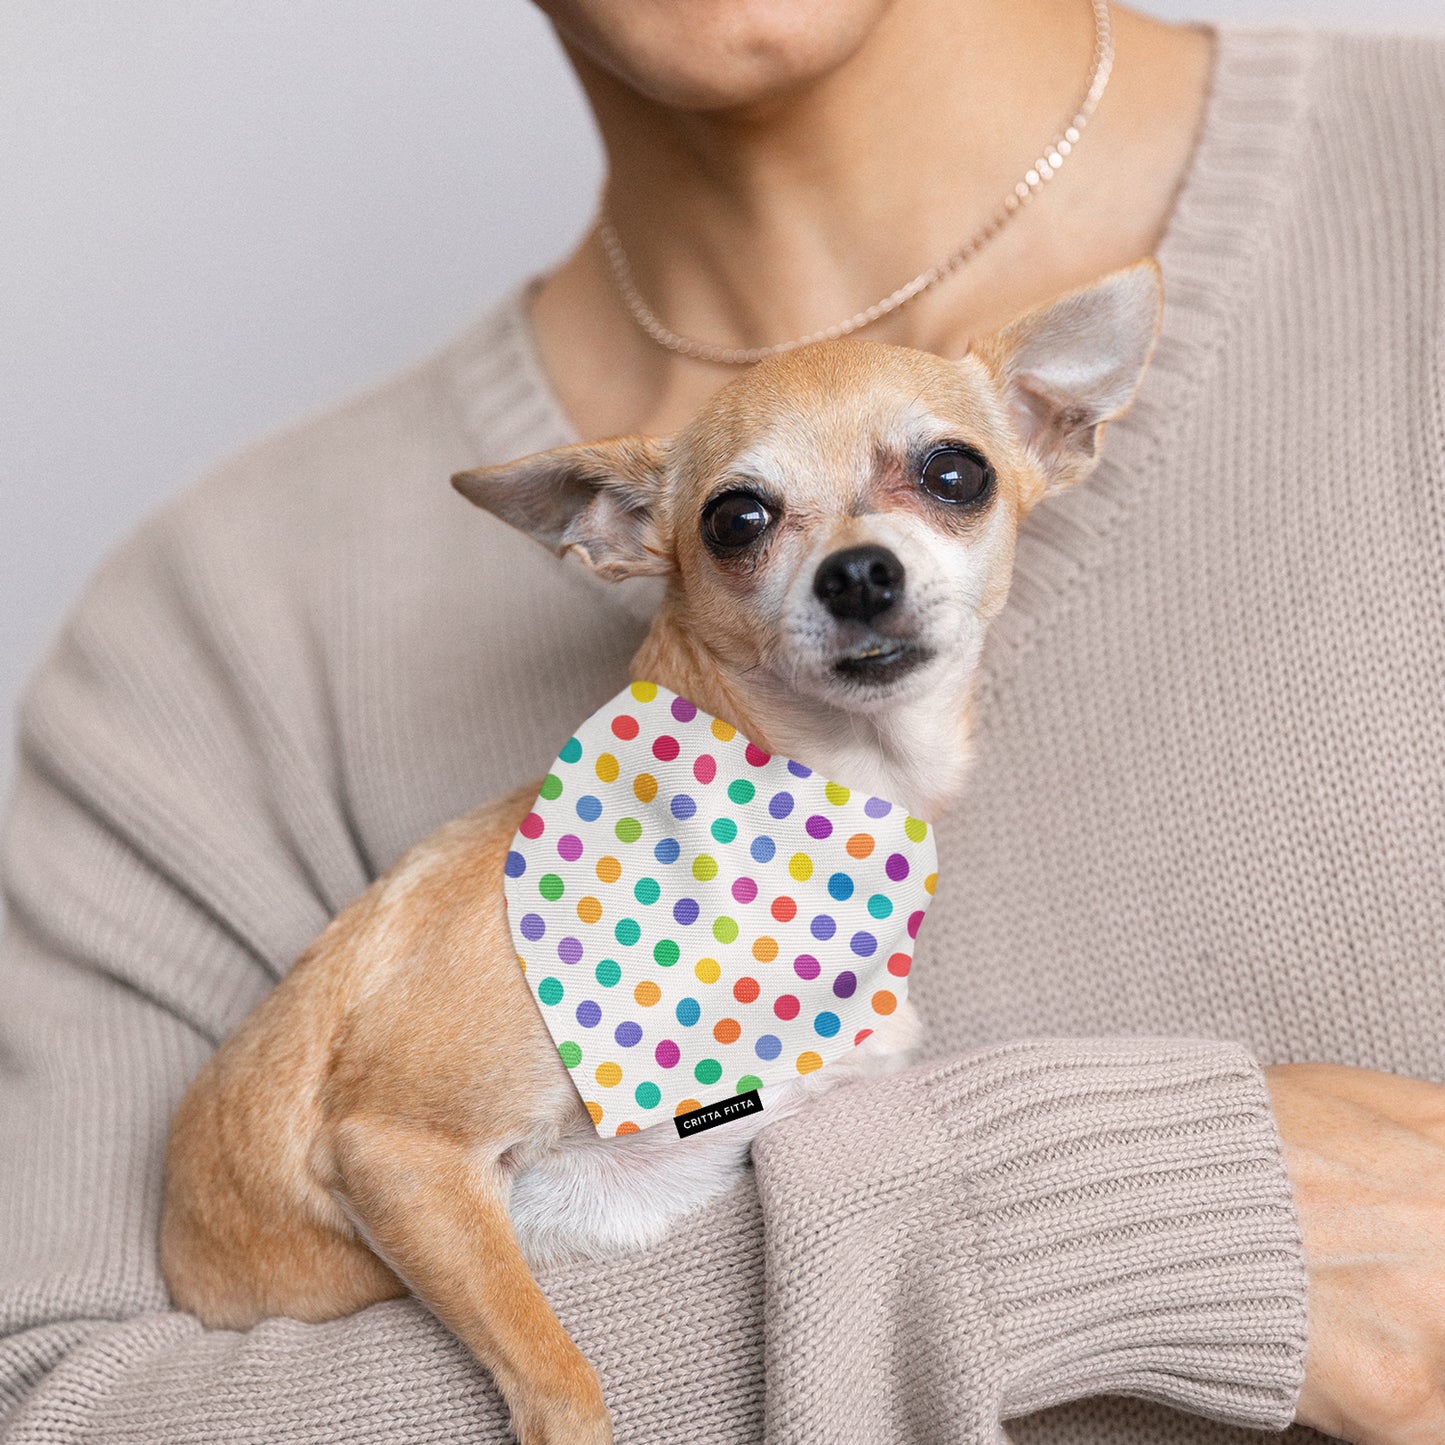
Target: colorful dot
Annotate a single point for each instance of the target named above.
(863, 944)
(644, 787)
(647, 993)
(784, 909)
(724, 732)
(780, 805)
(915, 922)
(687, 1106)
(515, 866)
(531, 826)
(787, 1007)
(685, 911)
(746, 989)
(899, 964)
(687, 1012)
(744, 890)
(665, 953)
(551, 787)
(807, 967)
(916, 829)
(549, 885)
(809, 1062)
(836, 794)
(763, 848)
(683, 807)
(884, 1002)
(589, 808)
(609, 1075)
(880, 905)
(846, 984)
(724, 929)
(628, 830)
(768, 1046)
(707, 1071)
(594, 1112)
(550, 990)
(647, 1094)
(707, 970)
(930, 883)
(704, 868)
(609, 870)
(643, 691)
(683, 710)
(748, 1083)
(571, 1054)
(624, 727)
(765, 948)
(818, 827)
(840, 886)
(823, 927)
(741, 791)
(896, 867)
(647, 890)
(667, 850)
(799, 770)
(607, 767)
(877, 807)
(860, 845)
(800, 866)
(569, 950)
(705, 769)
(589, 909)
(627, 932)
(727, 1031)
(608, 974)
(627, 1127)
(724, 830)
(589, 1013)
(861, 1035)
(532, 927)
(667, 1054)
(755, 755)
(569, 846)
(827, 1024)
(571, 750)
(628, 1034)
(665, 748)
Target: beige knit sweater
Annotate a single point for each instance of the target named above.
(1206, 829)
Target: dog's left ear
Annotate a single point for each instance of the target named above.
(1070, 367)
(597, 499)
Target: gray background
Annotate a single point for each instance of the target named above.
(217, 217)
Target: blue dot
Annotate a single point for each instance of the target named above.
(827, 1024)
(823, 927)
(799, 771)
(688, 1012)
(685, 911)
(763, 849)
(666, 850)
(532, 927)
(846, 984)
(840, 885)
(589, 1013)
(683, 807)
(516, 864)
(628, 1034)
(589, 809)
(769, 1046)
(863, 944)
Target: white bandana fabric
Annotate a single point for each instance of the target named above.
(697, 919)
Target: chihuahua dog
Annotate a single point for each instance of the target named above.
(837, 528)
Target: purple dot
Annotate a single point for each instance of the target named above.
(846, 984)
(896, 867)
(569, 845)
(878, 807)
(683, 710)
(628, 1034)
(570, 950)
(516, 864)
(685, 911)
(915, 922)
(667, 1054)
(780, 805)
(683, 806)
(818, 826)
(589, 1013)
(807, 967)
(532, 927)
(744, 890)
(823, 927)
(798, 770)
(863, 944)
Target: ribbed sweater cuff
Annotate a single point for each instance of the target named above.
(1118, 1211)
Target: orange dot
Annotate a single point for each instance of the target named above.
(609, 870)
(745, 990)
(589, 909)
(594, 1112)
(765, 949)
(627, 1127)
(809, 1062)
(645, 786)
(860, 845)
(726, 1031)
(647, 993)
(884, 1002)
(687, 1106)
(784, 909)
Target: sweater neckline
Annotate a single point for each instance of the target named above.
(1228, 201)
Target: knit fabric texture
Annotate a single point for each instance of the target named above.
(1203, 832)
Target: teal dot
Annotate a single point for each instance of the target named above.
(724, 830)
(549, 885)
(741, 791)
(646, 890)
(648, 1095)
(708, 1071)
(627, 932)
(571, 751)
(880, 905)
(666, 952)
(571, 1054)
(609, 975)
(551, 787)
(629, 830)
(748, 1083)
(550, 990)
(725, 929)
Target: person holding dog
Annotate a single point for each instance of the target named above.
(1174, 1163)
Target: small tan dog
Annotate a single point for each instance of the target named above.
(837, 528)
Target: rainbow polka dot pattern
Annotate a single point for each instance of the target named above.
(697, 919)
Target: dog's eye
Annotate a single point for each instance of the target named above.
(957, 475)
(733, 520)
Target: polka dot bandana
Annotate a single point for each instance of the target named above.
(697, 918)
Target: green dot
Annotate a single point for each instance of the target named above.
(549, 885)
(748, 1083)
(550, 990)
(571, 1054)
(708, 1071)
(627, 932)
(608, 973)
(880, 905)
(724, 929)
(646, 890)
(571, 751)
(629, 830)
(916, 829)
(648, 1095)
(666, 952)
(551, 787)
(724, 830)
(704, 868)
(741, 791)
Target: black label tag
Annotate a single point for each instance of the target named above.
(723, 1112)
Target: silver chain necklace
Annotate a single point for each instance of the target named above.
(1044, 169)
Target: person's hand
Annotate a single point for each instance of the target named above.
(1366, 1158)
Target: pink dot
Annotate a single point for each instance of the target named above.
(745, 890)
(806, 966)
(755, 755)
(665, 748)
(667, 1054)
(899, 965)
(624, 727)
(705, 768)
(915, 922)
(532, 826)
(860, 1036)
(569, 845)
(786, 1007)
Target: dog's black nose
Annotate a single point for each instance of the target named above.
(859, 582)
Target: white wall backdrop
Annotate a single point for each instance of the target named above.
(216, 217)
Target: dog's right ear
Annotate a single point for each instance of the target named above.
(597, 499)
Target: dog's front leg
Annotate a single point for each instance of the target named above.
(436, 1213)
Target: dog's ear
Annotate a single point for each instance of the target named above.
(598, 499)
(1070, 367)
